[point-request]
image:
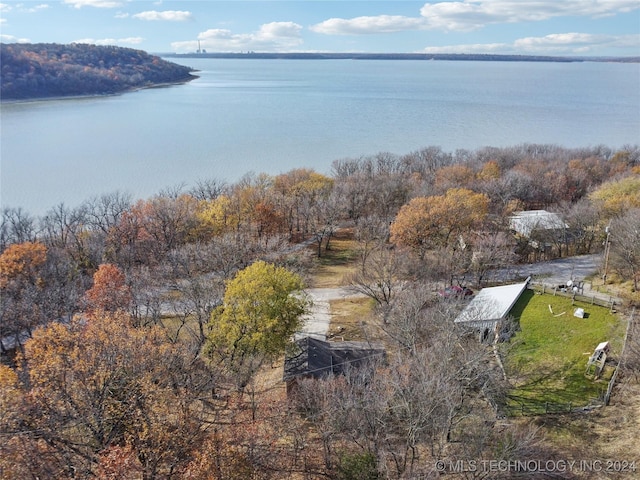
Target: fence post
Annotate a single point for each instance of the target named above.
(612, 382)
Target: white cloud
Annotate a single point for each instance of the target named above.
(167, 15)
(111, 41)
(12, 39)
(467, 15)
(575, 43)
(473, 14)
(367, 25)
(121, 15)
(553, 44)
(94, 3)
(21, 7)
(275, 36)
(37, 8)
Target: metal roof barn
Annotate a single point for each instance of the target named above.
(489, 306)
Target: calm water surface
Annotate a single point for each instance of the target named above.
(275, 115)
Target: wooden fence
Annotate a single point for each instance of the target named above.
(532, 408)
(620, 365)
(592, 299)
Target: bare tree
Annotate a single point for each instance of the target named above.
(322, 220)
(208, 189)
(16, 226)
(379, 276)
(584, 222)
(105, 211)
(491, 250)
(68, 230)
(625, 246)
(199, 286)
(407, 321)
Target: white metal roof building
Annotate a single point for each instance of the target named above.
(526, 222)
(489, 306)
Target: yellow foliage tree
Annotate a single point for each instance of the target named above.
(619, 196)
(490, 171)
(218, 216)
(261, 309)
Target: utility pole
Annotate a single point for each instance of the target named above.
(607, 248)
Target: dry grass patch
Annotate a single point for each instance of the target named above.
(336, 262)
(352, 319)
(608, 433)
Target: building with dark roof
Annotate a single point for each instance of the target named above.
(311, 357)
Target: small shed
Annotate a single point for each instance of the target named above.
(490, 306)
(311, 357)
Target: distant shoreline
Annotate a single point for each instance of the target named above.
(400, 56)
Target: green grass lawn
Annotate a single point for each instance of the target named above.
(546, 360)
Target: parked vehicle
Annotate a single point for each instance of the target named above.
(455, 291)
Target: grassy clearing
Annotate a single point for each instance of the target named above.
(351, 319)
(546, 360)
(336, 262)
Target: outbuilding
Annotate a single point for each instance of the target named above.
(489, 307)
(311, 357)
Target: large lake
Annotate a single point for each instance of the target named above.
(275, 115)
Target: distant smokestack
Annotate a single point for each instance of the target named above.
(199, 50)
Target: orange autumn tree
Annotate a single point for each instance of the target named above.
(109, 293)
(109, 395)
(438, 221)
(20, 263)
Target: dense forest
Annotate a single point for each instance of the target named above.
(144, 338)
(52, 70)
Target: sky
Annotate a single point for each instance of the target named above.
(526, 27)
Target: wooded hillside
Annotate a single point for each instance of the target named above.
(146, 338)
(52, 70)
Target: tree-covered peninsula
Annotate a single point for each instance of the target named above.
(46, 70)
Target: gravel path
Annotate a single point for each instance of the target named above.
(316, 323)
(559, 272)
